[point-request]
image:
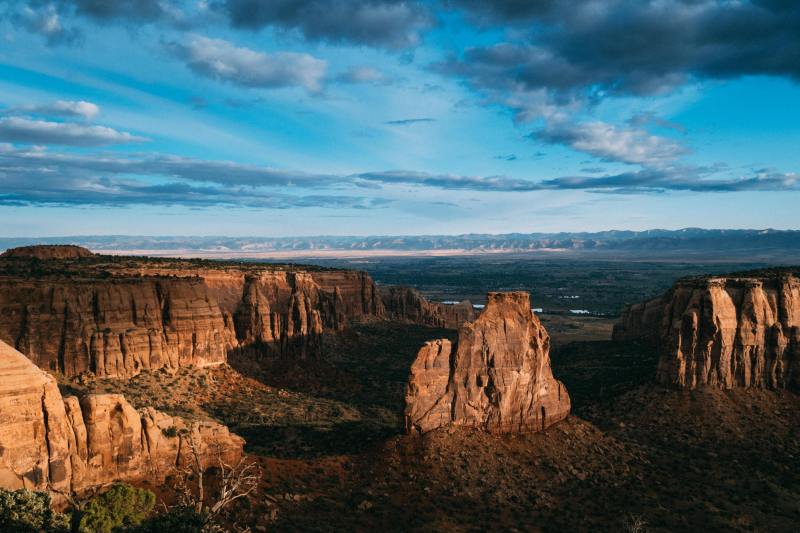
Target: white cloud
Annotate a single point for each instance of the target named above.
(612, 143)
(220, 59)
(23, 130)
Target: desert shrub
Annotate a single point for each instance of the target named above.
(120, 507)
(175, 520)
(27, 511)
(170, 432)
(635, 524)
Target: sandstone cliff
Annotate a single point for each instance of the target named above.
(733, 331)
(496, 377)
(50, 442)
(117, 316)
(407, 304)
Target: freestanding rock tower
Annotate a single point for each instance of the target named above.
(496, 377)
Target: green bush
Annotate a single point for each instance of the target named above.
(25, 511)
(120, 507)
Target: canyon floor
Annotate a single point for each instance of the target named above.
(327, 433)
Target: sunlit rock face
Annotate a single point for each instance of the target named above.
(733, 331)
(48, 442)
(70, 312)
(496, 377)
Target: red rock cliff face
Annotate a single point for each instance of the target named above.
(47, 441)
(115, 317)
(734, 331)
(114, 327)
(407, 304)
(496, 377)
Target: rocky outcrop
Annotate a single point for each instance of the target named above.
(115, 327)
(117, 316)
(407, 304)
(496, 377)
(50, 442)
(732, 331)
(43, 252)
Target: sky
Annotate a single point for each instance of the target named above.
(380, 117)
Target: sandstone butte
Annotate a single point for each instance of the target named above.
(71, 311)
(48, 442)
(741, 330)
(496, 377)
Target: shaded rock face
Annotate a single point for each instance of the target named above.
(496, 377)
(54, 251)
(736, 331)
(50, 442)
(405, 303)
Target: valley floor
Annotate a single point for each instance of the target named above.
(327, 434)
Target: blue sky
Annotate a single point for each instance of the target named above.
(312, 117)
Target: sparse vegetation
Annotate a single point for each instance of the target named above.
(119, 508)
(25, 511)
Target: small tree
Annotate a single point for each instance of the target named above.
(235, 482)
(26, 511)
(121, 506)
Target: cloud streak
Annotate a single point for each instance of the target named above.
(39, 177)
(409, 121)
(23, 130)
(59, 108)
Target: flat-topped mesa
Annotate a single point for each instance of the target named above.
(496, 377)
(47, 251)
(407, 304)
(741, 330)
(52, 443)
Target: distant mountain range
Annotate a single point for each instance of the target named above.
(769, 244)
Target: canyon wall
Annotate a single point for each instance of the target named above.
(48, 442)
(407, 304)
(733, 331)
(71, 311)
(496, 377)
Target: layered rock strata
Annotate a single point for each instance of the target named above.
(71, 311)
(496, 377)
(732, 331)
(62, 444)
(117, 316)
(407, 304)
